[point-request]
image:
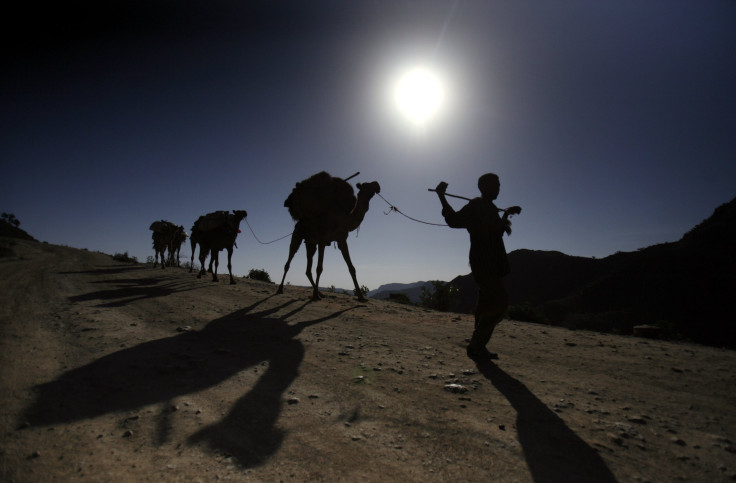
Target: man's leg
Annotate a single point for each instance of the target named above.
(491, 307)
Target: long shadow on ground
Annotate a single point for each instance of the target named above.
(108, 269)
(553, 452)
(161, 370)
(132, 289)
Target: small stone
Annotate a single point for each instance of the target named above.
(637, 419)
(456, 388)
(293, 400)
(678, 441)
(615, 438)
(127, 434)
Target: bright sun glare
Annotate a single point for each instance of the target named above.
(419, 95)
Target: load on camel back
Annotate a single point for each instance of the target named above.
(216, 219)
(326, 209)
(214, 232)
(319, 195)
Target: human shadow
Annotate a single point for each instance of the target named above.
(553, 452)
(159, 371)
(133, 289)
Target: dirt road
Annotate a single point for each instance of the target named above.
(115, 372)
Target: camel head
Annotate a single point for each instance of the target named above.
(367, 190)
(240, 214)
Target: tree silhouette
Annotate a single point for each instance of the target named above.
(10, 218)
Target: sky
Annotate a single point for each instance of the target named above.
(611, 123)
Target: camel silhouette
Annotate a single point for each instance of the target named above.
(326, 210)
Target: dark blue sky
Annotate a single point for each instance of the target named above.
(610, 123)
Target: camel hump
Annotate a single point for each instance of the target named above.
(162, 226)
(320, 194)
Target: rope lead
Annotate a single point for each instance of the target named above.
(394, 208)
(259, 241)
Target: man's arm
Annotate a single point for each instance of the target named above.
(453, 218)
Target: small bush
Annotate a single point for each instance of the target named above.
(440, 297)
(400, 298)
(259, 274)
(124, 257)
(526, 313)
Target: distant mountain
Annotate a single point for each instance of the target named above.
(685, 287)
(411, 290)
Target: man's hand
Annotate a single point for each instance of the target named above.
(441, 188)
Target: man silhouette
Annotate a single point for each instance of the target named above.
(488, 259)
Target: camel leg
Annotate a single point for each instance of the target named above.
(296, 241)
(215, 256)
(229, 264)
(311, 248)
(191, 262)
(343, 246)
(202, 257)
(320, 261)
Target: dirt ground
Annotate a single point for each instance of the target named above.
(115, 372)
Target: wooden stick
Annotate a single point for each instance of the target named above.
(353, 176)
(448, 194)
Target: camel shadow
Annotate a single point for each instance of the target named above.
(107, 270)
(553, 452)
(133, 289)
(158, 371)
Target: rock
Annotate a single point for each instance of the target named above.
(678, 441)
(127, 434)
(615, 438)
(292, 400)
(637, 419)
(456, 388)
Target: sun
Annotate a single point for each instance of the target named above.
(419, 95)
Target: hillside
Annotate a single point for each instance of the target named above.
(686, 287)
(121, 372)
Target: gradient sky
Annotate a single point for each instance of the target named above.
(612, 123)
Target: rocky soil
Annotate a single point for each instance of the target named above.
(119, 372)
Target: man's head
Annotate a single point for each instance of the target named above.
(489, 185)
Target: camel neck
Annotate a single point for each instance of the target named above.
(358, 212)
